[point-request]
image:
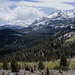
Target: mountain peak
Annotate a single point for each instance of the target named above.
(58, 19)
(62, 15)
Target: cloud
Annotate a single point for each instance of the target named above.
(47, 1)
(20, 14)
(25, 11)
(56, 4)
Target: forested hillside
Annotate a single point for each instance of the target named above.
(33, 47)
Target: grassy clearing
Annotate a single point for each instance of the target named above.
(72, 39)
(72, 63)
(53, 65)
(49, 64)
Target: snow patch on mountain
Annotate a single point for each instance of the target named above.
(59, 15)
(62, 15)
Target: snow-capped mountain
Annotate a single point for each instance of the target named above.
(54, 21)
(21, 23)
(62, 15)
(59, 19)
(15, 25)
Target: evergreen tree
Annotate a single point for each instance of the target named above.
(63, 61)
(5, 65)
(41, 65)
(14, 66)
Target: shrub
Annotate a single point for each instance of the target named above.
(27, 67)
(72, 66)
(53, 65)
(41, 65)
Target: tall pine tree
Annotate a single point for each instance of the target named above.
(63, 61)
(5, 65)
(14, 66)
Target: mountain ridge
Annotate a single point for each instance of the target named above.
(46, 38)
(58, 15)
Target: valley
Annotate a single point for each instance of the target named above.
(47, 44)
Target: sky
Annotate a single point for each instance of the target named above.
(24, 12)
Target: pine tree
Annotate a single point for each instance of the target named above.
(5, 65)
(14, 66)
(41, 65)
(63, 61)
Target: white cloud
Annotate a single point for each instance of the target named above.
(47, 1)
(25, 11)
(20, 14)
(6, 3)
(56, 4)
